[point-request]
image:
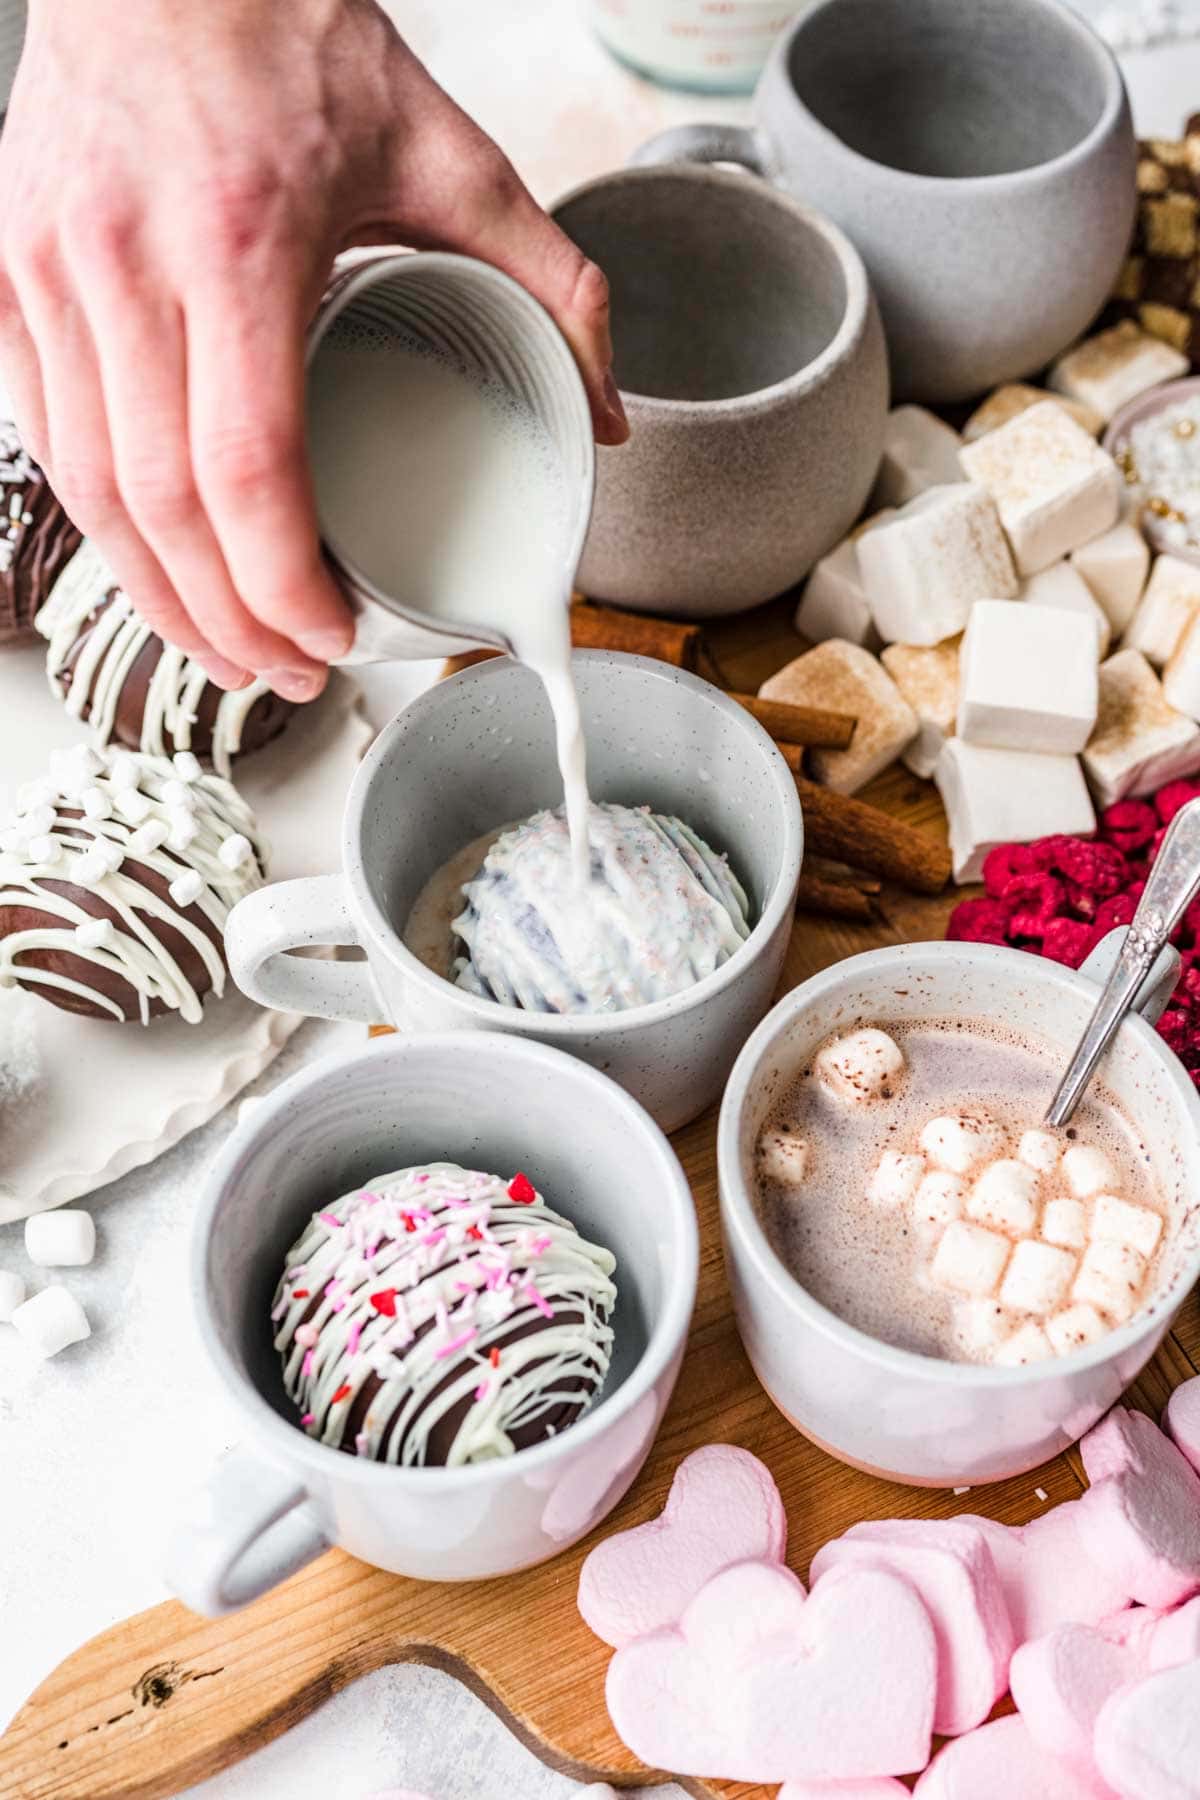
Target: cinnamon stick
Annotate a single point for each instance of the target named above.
(839, 825)
(790, 724)
(596, 627)
(832, 899)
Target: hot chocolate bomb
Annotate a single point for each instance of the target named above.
(37, 539)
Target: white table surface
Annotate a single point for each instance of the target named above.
(98, 1446)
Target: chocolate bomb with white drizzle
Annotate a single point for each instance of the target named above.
(37, 539)
(442, 1316)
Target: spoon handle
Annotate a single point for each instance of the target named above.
(1173, 883)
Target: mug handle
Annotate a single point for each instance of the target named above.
(702, 144)
(247, 1529)
(1156, 990)
(283, 916)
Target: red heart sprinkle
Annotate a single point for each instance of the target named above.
(522, 1190)
(385, 1302)
(473, 1231)
(341, 1394)
(299, 1293)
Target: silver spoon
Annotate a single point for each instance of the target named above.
(1172, 885)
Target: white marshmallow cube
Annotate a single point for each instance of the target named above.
(961, 1141)
(1005, 1197)
(782, 1156)
(1027, 1344)
(927, 677)
(865, 1065)
(1126, 1224)
(1115, 366)
(51, 1320)
(849, 679)
(1181, 677)
(1053, 485)
(12, 1292)
(1007, 796)
(1074, 1327)
(922, 570)
(896, 1179)
(1110, 1278)
(1139, 741)
(1065, 1223)
(919, 452)
(1017, 397)
(969, 1260)
(1088, 1171)
(1115, 566)
(1040, 1149)
(1028, 679)
(980, 1325)
(1037, 1278)
(62, 1239)
(939, 1200)
(834, 603)
(1061, 586)
(1165, 610)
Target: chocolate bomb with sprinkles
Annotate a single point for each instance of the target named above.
(37, 540)
(440, 1316)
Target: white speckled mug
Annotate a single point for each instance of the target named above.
(279, 1499)
(979, 156)
(476, 752)
(917, 1418)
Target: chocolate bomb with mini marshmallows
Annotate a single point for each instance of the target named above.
(116, 878)
(440, 1316)
(37, 540)
(113, 672)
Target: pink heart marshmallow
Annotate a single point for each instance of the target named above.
(883, 1788)
(1140, 1518)
(1046, 1574)
(1181, 1421)
(1148, 1737)
(1000, 1761)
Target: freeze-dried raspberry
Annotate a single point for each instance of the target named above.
(1118, 909)
(1068, 941)
(1129, 824)
(1169, 799)
(1040, 898)
(1175, 1028)
(1005, 864)
(1098, 867)
(983, 921)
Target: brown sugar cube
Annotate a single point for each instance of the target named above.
(927, 677)
(1139, 741)
(1017, 397)
(848, 678)
(1169, 225)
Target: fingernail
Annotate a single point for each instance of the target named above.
(293, 684)
(326, 646)
(225, 674)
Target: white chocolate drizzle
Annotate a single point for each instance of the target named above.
(416, 1284)
(105, 662)
(135, 813)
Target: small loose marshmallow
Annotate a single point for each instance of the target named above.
(1115, 366)
(782, 1155)
(865, 1065)
(940, 1198)
(969, 1260)
(1017, 397)
(919, 452)
(1039, 1150)
(1140, 742)
(1052, 484)
(51, 1321)
(1165, 610)
(927, 677)
(1007, 796)
(1027, 1344)
(1115, 566)
(1181, 677)
(1065, 1223)
(1060, 586)
(980, 1325)
(896, 1179)
(1126, 1224)
(834, 603)
(1110, 1278)
(849, 679)
(1088, 1171)
(1074, 1327)
(62, 1239)
(1028, 679)
(12, 1292)
(961, 1141)
(1005, 1197)
(924, 567)
(1037, 1278)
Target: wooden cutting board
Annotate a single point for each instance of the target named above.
(167, 1699)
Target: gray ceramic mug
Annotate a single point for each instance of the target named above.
(476, 752)
(751, 363)
(980, 156)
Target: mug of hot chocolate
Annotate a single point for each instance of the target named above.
(931, 1282)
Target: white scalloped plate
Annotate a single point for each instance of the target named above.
(82, 1100)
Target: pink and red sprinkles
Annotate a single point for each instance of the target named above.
(522, 1190)
(1059, 896)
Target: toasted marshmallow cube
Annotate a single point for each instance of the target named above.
(1165, 610)
(1126, 1224)
(969, 1260)
(1053, 485)
(924, 567)
(1027, 1344)
(1115, 566)
(927, 677)
(1140, 742)
(961, 1141)
(1017, 397)
(1088, 1171)
(1110, 1278)
(940, 1198)
(1062, 587)
(1005, 1197)
(834, 603)
(1007, 796)
(980, 1325)
(1065, 1222)
(849, 679)
(1028, 678)
(782, 1155)
(919, 452)
(1074, 1327)
(1181, 677)
(1036, 1278)
(896, 1179)
(12, 1292)
(864, 1065)
(1039, 1149)
(1114, 366)
(51, 1320)
(62, 1239)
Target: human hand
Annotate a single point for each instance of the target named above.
(175, 181)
